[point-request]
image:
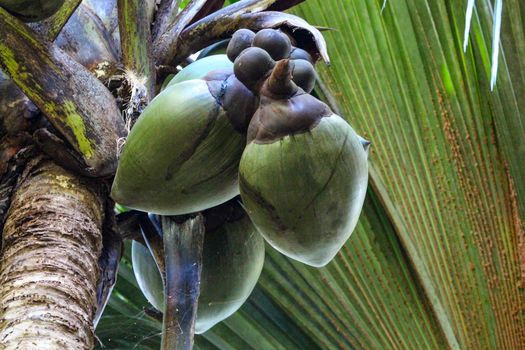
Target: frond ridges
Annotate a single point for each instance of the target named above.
(439, 139)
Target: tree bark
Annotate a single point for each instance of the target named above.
(49, 266)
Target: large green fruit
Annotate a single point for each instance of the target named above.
(218, 48)
(233, 257)
(147, 275)
(32, 10)
(303, 174)
(202, 67)
(183, 154)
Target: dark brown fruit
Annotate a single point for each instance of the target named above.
(252, 65)
(300, 54)
(303, 75)
(274, 42)
(241, 40)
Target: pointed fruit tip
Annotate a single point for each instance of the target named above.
(280, 81)
(365, 143)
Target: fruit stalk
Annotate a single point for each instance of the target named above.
(166, 13)
(183, 259)
(165, 45)
(154, 242)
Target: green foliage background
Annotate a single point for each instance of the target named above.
(438, 258)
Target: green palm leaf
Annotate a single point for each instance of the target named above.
(445, 154)
(436, 260)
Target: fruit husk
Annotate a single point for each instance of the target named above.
(299, 54)
(233, 257)
(31, 10)
(240, 41)
(304, 192)
(181, 156)
(252, 66)
(304, 74)
(276, 43)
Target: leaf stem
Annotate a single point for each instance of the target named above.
(51, 27)
(135, 37)
(165, 44)
(168, 10)
(78, 105)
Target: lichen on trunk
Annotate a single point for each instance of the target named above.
(52, 240)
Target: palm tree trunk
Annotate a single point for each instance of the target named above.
(52, 240)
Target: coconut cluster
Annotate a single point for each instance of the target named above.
(243, 121)
(240, 120)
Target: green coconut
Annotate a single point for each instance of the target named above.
(147, 275)
(32, 10)
(202, 67)
(182, 155)
(233, 258)
(166, 81)
(218, 48)
(303, 174)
